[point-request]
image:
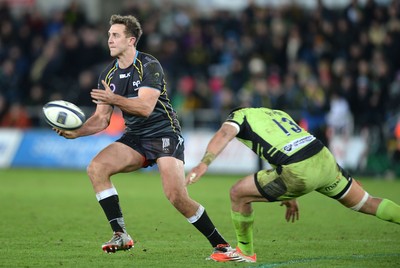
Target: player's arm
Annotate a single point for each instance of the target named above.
(148, 93)
(216, 145)
(96, 123)
(142, 106)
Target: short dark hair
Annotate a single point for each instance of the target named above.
(132, 25)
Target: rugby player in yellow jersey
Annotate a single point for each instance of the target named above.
(301, 164)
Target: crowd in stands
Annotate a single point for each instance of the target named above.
(336, 70)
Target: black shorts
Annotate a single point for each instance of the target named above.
(154, 148)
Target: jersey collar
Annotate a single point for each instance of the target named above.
(134, 60)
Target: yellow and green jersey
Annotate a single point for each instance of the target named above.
(274, 135)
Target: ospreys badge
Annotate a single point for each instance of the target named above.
(165, 145)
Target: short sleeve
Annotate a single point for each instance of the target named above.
(236, 117)
(153, 75)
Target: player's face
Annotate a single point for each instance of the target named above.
(118, 42)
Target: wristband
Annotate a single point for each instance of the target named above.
(208, 158)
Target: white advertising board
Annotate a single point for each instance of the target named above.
(235, 158)
(9, 143)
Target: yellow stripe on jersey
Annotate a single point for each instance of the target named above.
(169, 116)
(273, 152)
(166, 110)
(108, 77)
(270, 150)
(139, 70)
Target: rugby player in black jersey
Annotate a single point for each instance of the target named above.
(134, 82)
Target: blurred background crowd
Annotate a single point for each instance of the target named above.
(336, 70)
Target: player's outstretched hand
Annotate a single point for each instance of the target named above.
(292, 210)
(195, 174)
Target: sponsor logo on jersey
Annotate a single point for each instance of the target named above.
(288, 148)
(122, 76)
(112, 87)
(301, 142)
(136, 83)
(165, 144)
(332, 186)
(180, 139)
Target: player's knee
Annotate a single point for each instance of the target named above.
(172, 198)
(91, 170)
(357, 199)
(181, 202)
(360, 205)
(96, 170)
(176, 197)
(235, 193)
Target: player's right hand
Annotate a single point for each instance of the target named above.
(292, 210)
(68, 134)
(195, 174)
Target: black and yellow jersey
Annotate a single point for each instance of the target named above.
(146, 71)
(273, 135)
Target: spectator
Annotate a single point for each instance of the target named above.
(91, 50)
(394, 95)
(339, 119)
(37, 96)
(293, 96)
(46, 67)
(16, 117)
(315, 108)
(74, 15)
(3, 107)
(396, 154)
(9, 81)
(86, 81)
(363, 105)
(55, 24)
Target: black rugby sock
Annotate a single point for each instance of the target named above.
(207, 228)
(113, 212)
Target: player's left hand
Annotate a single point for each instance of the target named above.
(292, 210)
(105, 96)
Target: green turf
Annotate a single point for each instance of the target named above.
(50, 218)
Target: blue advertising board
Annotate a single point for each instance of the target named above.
(44, 148)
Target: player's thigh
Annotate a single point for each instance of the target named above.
(318, 172)
(172, 173)
(271, 184)
(118, 157)
(332, 180)
(246, 190)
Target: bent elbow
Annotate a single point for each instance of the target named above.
(143, 114)
(146, 111)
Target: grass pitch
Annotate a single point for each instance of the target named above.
(51, 218)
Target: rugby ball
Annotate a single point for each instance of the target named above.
(63, 115)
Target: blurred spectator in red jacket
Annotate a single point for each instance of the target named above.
(16, 117)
